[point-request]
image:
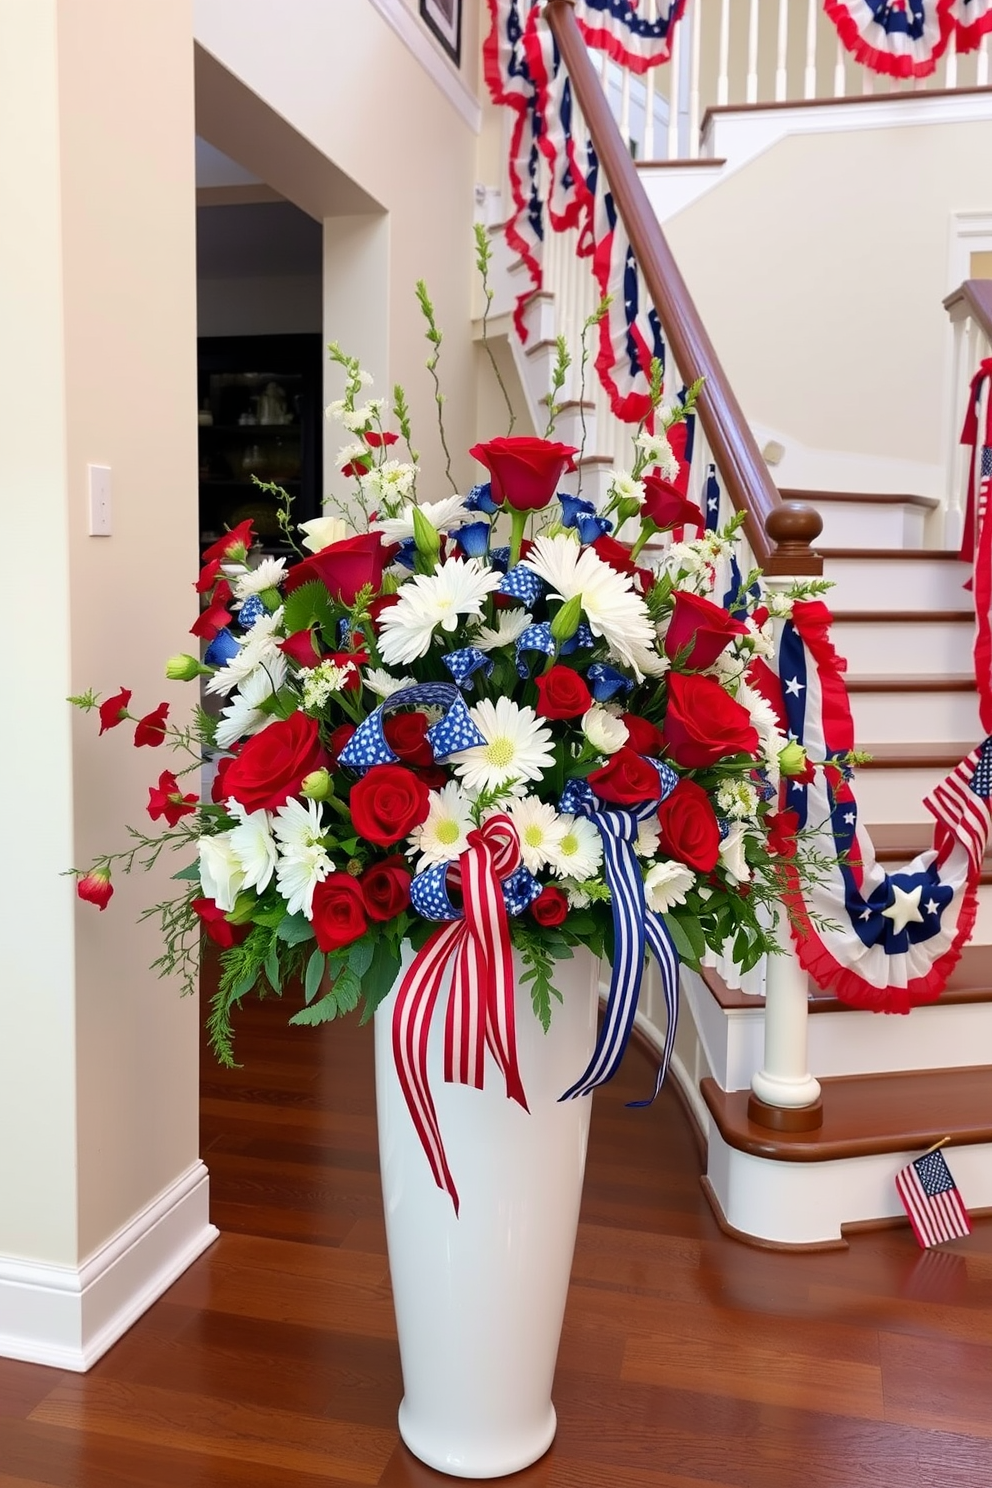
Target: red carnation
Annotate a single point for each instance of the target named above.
(114, 710)
(386, 888)
(213, 618)
(339, 915)
(95, 887)
(343, 568)
(232, 546)
(563, 693)
(524, 472)
(151, 729)
(217, 925)
(166, 799)
(782, 829)
(387, 803)
(208, 576)
(550, 907)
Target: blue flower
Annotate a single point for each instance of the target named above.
(251, 612)
(406, 553)
(480, 499)
(572, 507)
(221, 649)
(500, 558)
(473, 539)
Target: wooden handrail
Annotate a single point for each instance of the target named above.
(972, 298)
(744, 473)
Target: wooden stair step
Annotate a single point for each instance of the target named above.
(875, 555)
(903, 617)
(863, 498)
(890, 683)
(864, 1115)
(914, 756)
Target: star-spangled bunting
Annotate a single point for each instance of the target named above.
(976, 540)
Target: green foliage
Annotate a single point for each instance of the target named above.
(307, 606)
(382, 972)
(434, 338)
(562, 363)
(539, 949)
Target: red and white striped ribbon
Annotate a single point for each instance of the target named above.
(480, 1004)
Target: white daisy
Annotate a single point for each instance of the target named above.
(442, 515)
(732, 854)
(612, 608)
(517, 746)
(666, 884)
(648, 838)
(321, 532)
(221, 874)
(579, 852)
(259, 648)
(510, 625)
(458, 587)
(243, 714)
(383, 684)
(444, 835)
(253, 845)
(604, 732)
(623, 484)
(268, 574)
(539, 828)
(303, 860)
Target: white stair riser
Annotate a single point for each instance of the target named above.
(937, 717)
(860, 524)
(897, 584)
(934, 648)
(895, 795)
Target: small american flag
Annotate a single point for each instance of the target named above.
(931, 1199)
(962, 806)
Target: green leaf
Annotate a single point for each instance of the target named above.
(347, 991)
(324, 1011)
(360, 955)
(272, 968)
(308, 606)
(683, 944)
(294, 928)
(314, 975)
(382, 973)
(190, 874)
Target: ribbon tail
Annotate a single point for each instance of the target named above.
(661, 943)
(489, 926)
(627, 892)
(465, 1021)
(412, 1014)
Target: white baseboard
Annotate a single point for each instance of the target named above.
(69, 1316)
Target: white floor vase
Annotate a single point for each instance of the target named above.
(480, 1298)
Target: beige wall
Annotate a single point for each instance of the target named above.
(819, 270)
(98, 1077)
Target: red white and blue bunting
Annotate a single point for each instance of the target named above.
(972, 20)
(976, 541)
(884, 941)
(898, 38)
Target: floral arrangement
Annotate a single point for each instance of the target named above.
(486, 720)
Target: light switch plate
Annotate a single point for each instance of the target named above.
(99, 494)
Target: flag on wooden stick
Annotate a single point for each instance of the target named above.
(930, 1197)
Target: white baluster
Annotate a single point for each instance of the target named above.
(751, 89)
(840, 71)
(649, 88)
(674, 78)
(782, 53)
(694, 62)
(809, 77)
(624, 120)
(722, 79)
(982, 62)
(951, 62)
(867, 82)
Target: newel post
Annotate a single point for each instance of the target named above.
(784, 1095)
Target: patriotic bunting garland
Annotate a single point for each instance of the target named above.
(976, 542)
(897, 38)
(972, 20)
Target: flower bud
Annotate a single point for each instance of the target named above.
(183, 668)
(271, 599)
(244, 907)
(566, 622)
(604, 732)
(95, 887)
(425, 536)
(792, 759)
(317, 786)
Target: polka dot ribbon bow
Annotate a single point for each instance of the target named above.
(476, 947)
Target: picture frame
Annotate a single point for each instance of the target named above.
(444, 19)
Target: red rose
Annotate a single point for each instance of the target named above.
(343, 568)
(386, 888)
(666, 506)
(340, 739)
(217, 925)
(301, 647)
(643, 737)
(95, 887)
(626, 779)
(384, 602)
(387, 803)
(563, 694)
(433, 776)
(338, 912)
(166, 799)
(406, 735)
(782, 829)
(233, 545)
(550, 907)
(524, 472)
(701, 629)
(704, 724)
(151, 729)
(273, 764)
(218, 791)
(114, 710)
(689, 828)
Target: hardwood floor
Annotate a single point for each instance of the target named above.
(687, 1360)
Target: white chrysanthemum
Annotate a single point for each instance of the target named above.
(648, 838)
(658, 454)
(221, 875)
(762, 637)
(732, 853)
(604, 732)
(268, 574)
(517, 747)
(623, 484)
(510, 625)
(666, 884)
(253, 845)
(389, 482)
(357, 419)
(458, 587)
(771, 739)
(244, 714)
(349, 453)
(365, 379)
(737, 800)
(260, 648)
(577, 897)
(321, 532)
(442, 515)
(579, 852)
(444, 835)
(730, 666)
(609, 602)
(382, 684)
(303, 860)
(539, 828)
(335, 408)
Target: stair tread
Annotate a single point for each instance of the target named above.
(903, 617)
(872, 555)
(915, 755)
(870, 682)
(864, 498)
(864, 1115)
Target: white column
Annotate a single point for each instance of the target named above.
(723, 79)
